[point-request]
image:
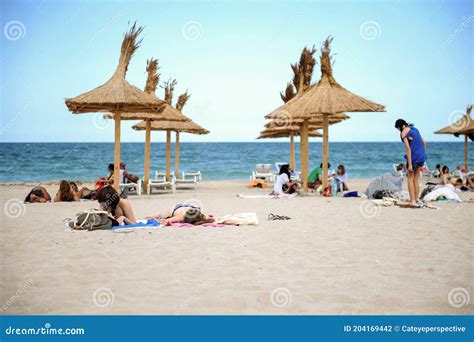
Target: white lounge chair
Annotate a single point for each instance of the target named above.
(263, 171)
(160, 182)
(188, 180)
(130, 186)
(198, 175)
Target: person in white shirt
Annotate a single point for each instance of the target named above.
(341, 179)
(283, 183)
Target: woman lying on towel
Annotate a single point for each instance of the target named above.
(120, 208)
(186, 213)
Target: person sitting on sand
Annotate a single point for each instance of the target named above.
(66, 193)
(283, 183)
(437, 172)
(38, 194)
(341, 179)
(120, 208)
(315, 178)
(185, 213)
(445, 175)
(470, 181)
(415, 147)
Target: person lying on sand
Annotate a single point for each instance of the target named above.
(38, 194)
(66, 193)
(186, 213)
(120, 208)
(84, 193)
(283, 183)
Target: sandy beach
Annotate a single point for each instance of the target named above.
(335, 256)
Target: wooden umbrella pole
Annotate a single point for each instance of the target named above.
(292, 150)
(146, 165)
(304, 154)
(117, 153)
(325, 149)
(168, 153)
(466, 152)
(176, 156)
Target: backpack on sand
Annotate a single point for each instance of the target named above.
(92, 219)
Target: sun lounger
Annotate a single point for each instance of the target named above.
(188, 180)
(198, 175)
(263, 171)
(160, 182)
(134, 187)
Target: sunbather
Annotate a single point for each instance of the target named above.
(415, 147)
(283, 183)
(66, 193)
(84, 193)
(186, 213)
(470, 181)
(120, 208)
(445, 175)
(38, 194)
(437, 172)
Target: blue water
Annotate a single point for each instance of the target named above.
(39, 162)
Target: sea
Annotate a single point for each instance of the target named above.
(42, 162)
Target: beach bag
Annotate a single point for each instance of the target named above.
(380, 194)
(327, 192)
(92, 219)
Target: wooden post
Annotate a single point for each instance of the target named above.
(168, 153)
(466, 153)
(325, 149)
(117, 179)
(176, 155)
(304, 154)
(292, 150)
(146, 165)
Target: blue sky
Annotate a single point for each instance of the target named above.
(415, 57)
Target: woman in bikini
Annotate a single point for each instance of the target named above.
(415, 147)
(186, 213)
(38, 194)
(120, 208)
(66, 193)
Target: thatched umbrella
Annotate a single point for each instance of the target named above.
(118, 96)
(168, 126)
(323, 99)
(168, 113)
(464, 126)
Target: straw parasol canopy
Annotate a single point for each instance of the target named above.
(186, 127)
(464, 126)
(322, 100)
(285, 134)
(117, 95)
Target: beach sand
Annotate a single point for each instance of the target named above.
(335, 256)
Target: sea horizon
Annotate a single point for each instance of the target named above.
(86, 161)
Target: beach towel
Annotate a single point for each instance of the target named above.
(206, 225)
(141, 224)
(267, 196)
(240, 219)
(448, 191)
